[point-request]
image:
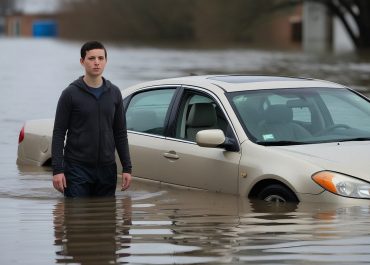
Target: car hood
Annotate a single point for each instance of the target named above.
(351, 158)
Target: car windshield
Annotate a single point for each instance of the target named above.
(302, 115)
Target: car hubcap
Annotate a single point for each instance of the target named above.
(275, 198)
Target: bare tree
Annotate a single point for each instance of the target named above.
(354, 15)
(193, 20)
(6, 6)
(359, 12)
(128, 20)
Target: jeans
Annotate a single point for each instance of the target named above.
(90, 181)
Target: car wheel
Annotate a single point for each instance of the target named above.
(277, 193)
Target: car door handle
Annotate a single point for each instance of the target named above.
(171, 155)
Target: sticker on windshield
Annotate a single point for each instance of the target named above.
(268, 137)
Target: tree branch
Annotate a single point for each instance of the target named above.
(336, 10)
(339, 13)
(348, 5)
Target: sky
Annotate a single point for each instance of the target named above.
(37, 6)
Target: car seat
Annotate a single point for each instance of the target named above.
(252, 119)
(202, 116)
(278, 125)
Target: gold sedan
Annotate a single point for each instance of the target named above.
(265, 137)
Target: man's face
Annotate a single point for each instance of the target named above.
(94, 62)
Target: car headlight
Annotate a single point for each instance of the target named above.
(342, 184)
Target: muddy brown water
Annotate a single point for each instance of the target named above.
(153, 223)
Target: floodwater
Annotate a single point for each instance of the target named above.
(153, 223)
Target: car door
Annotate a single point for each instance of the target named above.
(186, 163)
(146, 116)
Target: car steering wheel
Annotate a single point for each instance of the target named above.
(333, 127)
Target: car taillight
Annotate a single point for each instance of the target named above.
(21, 135)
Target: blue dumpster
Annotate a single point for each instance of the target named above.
(44, 28)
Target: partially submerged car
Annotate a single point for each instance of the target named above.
(265, 137)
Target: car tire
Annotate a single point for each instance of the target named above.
(276, 193)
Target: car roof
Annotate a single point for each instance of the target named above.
(234, 83)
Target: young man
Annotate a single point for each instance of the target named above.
(90, 110)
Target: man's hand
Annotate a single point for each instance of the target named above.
(126, 181)
(59, 182)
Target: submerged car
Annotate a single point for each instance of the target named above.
(265, 137)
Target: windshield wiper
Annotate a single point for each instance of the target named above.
(355, 139)
(280, 143)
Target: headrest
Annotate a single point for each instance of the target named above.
(202, 115)
(278, 114)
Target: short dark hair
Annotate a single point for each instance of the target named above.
(91, 45)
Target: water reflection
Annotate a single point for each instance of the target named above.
(159, 224)
(90, 231)
(313, 233)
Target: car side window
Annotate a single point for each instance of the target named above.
(198, 112)
(147, 111)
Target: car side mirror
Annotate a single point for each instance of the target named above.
(216, 138)
(210, 138)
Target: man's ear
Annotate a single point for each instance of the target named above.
(81, 61)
